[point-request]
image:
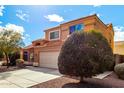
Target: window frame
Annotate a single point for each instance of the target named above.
(54, 38)
(75, 27)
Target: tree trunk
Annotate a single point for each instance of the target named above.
(81, 79)
(7, 60)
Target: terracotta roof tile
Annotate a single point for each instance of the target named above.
(54, 43)
(29, 46)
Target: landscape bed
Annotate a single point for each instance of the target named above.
(111, 81)
(5, 69)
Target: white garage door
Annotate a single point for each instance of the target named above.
(49, 59)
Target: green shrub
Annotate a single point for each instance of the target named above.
(20, 63)
(13, 57)
(85, 54)
(119, 70)
(4, 64)
(1, 54)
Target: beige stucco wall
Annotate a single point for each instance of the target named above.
(37, 51)
(90, 23)
(119, 48)
(47, 32)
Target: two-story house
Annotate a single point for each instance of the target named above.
(45, 51)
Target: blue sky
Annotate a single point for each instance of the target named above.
(32, 20)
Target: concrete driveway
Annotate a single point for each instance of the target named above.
(27, 77)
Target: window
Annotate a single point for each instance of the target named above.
(25, 56)
(78, 27)
(37, 44)
(54, 35)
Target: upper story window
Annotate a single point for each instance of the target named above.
(78, 27)
(54, 35)
(37, 44)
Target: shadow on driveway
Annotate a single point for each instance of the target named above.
(44, 70)
(83, 85)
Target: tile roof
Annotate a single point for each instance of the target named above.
(29, 46)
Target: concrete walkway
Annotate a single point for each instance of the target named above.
(103, 75)
(27, 77)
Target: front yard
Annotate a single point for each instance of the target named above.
(35, 77)
(111, 81)
(4, 68)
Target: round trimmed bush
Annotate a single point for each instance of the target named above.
(20, 63)
(119, 70)
(85, 54)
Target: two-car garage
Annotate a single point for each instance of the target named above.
(49, 59)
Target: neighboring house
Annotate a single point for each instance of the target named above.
(119, 47)
(45, 51)
(119, 51)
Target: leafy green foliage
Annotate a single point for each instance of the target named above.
(119, 70)
(13, 58)
(85, 54)
(1, 54)
(20, 63)
(10, 42)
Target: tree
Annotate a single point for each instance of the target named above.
(13, 57)
(1, 54)
(85, 54)
(10, 42)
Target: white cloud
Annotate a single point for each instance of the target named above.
(1, 10)
(26, 37)
(98, 14)
(54, 18)
(119, 33)
(13, 27)
(1, 22)
(16, 28)
(96, 5)
(95, 13)
(22, 16)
